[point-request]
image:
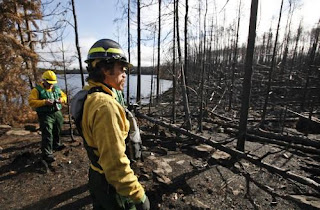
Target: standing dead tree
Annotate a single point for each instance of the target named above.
(139, 53)
(75, 27)
(203, 70)
(187, 119)
(264, 111)
(158, 66)
(310, 66)
(129, 55)
(174, 80)
(234, 60)
(246, 88)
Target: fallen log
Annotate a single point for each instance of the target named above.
(307, 124)
(273, 169)
(290, 139)
(306, 149)
(257, 138)
(286, 138)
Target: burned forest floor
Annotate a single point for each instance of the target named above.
(178, 171)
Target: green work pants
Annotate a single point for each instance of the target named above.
(50, 126)
(104, 195)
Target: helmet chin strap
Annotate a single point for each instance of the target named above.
(46, 84)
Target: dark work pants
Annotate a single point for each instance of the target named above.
(50, 126)
(104, 195)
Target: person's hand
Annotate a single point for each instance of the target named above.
(49, 102)
(143, 205)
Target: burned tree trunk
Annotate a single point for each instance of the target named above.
(139, 54)
(158, 66)
(203, 70)
(183, 81)
(129, 56)
(77, 41)
(264, 112)
(174, 82)
(310, 64)
(234, 61)
(246, 89)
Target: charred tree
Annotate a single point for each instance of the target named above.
(264, 111)
(203, 70)
(174, 66)
(129, 56)
(186, 64)
(310, 66)
(246, 88)
(139, 54)
(67, 92)
(234, 60)
(77, 41)
(187, 119)
(158, 66)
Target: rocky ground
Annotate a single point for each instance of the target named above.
(177, 171)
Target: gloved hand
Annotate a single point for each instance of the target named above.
(143, 205)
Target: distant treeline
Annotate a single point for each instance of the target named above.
(144, 71)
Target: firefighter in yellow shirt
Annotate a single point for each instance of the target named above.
(104, 126)
(47, 98)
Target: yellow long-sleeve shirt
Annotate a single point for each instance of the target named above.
(105, 127)
(35, 102)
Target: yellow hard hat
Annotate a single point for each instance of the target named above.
(50, 77)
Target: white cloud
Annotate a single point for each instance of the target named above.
(268, 12)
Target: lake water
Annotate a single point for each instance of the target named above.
(74, 85)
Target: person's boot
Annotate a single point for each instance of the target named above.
(59, 147)
(49, 158)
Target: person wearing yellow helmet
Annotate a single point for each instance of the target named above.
(47, 98)
(104, 127)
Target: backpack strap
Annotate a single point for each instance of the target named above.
(90, 150)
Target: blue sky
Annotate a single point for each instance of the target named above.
(96, 21)
(95, 18)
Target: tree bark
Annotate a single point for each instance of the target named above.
(129, 56)
(139, 55)
(77, 41)
(234, 61)
(264, 112)
(67, 92)
(183, 81)
(203, 70)
(174, 81)
(158, 66)
(246, 89)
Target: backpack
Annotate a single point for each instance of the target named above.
(133, 141)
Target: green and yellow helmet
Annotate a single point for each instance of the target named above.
(106, 49)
